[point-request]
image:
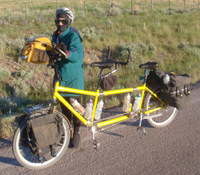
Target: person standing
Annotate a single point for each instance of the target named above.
(70, 67)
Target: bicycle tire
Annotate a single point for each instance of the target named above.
(167, 114)
(23, 152)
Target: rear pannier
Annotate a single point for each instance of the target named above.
(175, 93)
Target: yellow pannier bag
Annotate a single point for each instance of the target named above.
(36, 50)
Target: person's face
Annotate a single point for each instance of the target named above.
(60, 21)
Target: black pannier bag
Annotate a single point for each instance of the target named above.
(44, 132)
(173, 94)
(155, 80)
(177, 92)
(108, 82)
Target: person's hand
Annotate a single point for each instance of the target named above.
(62, 47)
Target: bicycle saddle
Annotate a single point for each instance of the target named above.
(149, 65)
(103, 64)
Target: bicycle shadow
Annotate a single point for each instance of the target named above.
(195, 85)
(130, 122)
(136, 123)
(133, 122)
(10, 161)
(4, 144)
(111, 133)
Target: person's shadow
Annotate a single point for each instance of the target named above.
(4, 144)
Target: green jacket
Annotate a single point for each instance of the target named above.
(71, 69)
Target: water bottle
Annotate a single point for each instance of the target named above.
(126, 103)
(77, 106)
(88, 110)
(99, 110)
(136, 104)
(142, 79)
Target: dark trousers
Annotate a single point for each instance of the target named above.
(70, 116)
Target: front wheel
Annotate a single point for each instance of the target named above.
(24, 155)
(162, 117)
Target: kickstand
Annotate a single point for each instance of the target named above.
(96, 144)
(140, 127)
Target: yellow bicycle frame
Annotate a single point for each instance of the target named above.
(59, 89)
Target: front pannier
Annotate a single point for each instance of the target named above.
(44, 131)
(36, 50)
(176, 93)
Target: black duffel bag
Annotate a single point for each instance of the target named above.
(176, 93)
(44, 132)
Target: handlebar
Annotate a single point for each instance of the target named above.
(109, 63)
(120, 62)
(59, 50)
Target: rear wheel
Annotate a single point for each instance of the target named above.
(24, 155)
(162, 117)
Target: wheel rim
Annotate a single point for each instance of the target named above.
(164, 119)
(163, 116)
(25, 155)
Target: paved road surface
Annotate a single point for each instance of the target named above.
(173, 150)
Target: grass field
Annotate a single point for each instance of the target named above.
(153, 32)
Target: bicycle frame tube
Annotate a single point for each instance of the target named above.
(144, 88)
(97, 94)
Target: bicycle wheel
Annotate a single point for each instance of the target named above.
(162, 117)
(24, 155)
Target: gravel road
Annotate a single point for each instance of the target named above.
(173, 150)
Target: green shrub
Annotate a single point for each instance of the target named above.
(5, 73)
(8, 105)
(21, 87)
(114, 11)
(99, 12)
(108, 23)
(2, 44)
(7, 126)
(183, 46)
(91, 34)
(42, 86)
(16, 43)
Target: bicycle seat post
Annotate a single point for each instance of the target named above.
(146, 73)
(99, 78)
(147, 68)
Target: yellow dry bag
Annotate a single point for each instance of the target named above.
(36, 50)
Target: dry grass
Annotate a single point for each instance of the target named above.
(7, 126)
(19, 5)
